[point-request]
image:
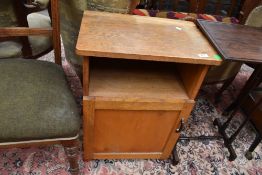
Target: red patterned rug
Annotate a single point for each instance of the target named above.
(196, 157)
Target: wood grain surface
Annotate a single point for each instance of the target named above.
(234, 42)
(140, 76)
(143, 38)
(132, 131)
(136, 80)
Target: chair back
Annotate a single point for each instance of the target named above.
(54, 31)
(255, 17)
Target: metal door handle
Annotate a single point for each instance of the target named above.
(181, 127)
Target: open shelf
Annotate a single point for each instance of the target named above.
(135, 79)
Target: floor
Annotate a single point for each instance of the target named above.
(197, 157)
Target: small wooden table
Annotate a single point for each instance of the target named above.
(236, 43)
(137, 94)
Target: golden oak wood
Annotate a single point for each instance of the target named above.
(86, 76)
(132, 131)
(184, 114)
(88, 127)
(126, 98)
(173, 137)
(128, 133)
(133, 103)
(191, 83)
(142, 38)
(140, 80)
(188, 107)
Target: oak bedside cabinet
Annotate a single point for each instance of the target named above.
(140, 78)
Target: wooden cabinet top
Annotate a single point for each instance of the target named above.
(143, 38)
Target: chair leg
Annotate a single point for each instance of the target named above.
(72, 152)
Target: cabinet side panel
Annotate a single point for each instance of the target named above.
(174, 135)
(192, 76)
(88, 127)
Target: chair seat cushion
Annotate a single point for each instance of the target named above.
(184, 16)
(35, 102)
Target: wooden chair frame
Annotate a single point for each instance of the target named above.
(21, 8)
(71, 144)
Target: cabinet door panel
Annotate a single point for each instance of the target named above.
(132, 131)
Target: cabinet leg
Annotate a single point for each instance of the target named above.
(175, 159)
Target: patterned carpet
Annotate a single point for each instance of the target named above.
(197, 157)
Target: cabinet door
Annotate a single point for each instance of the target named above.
(132, 131)
(121, 133)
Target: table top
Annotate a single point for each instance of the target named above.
(234, 42)
(112, 35)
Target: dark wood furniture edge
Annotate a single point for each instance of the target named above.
(203, 29)
(200, 24)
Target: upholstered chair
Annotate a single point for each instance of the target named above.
(255, 17)
(36, 103)
(14, 13)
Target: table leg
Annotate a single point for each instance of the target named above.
(222, 131)
(257, 140)
(252, 82)
(229, 140)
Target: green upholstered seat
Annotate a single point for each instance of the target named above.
(35, 102)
